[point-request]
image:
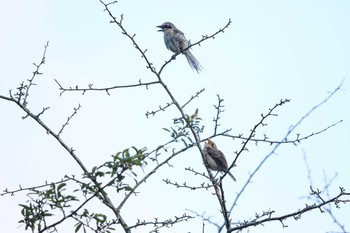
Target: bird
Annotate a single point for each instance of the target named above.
(215, 159)
(176, 42)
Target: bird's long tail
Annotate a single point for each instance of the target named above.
(194, 63)
(230, 174)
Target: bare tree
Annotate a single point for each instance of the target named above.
(69, 199)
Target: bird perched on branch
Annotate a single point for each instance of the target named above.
(215, 159)
(176, 42)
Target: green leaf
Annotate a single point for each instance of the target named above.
(100, 218)
(46, 214)
(60, 186)
(128, 188)
(77, 228)
(166, 129)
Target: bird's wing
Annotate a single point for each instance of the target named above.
(218, 156)
(180, 38)
(177, 31)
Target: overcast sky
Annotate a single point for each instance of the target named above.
(273, 50)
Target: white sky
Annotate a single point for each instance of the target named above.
(273, 50)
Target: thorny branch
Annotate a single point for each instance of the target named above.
(225, 212)
(23, 105)
(219, 109)
(327, 184)
(20, 189)
(106, 89)
(296, 214)
(165, 87)
(119, 24)
(160, 224)
(75, 211)
(204, 218)
(24, 93)
(160, 108)
(296, 141)
(35, 73)
(149, 64)
(253, 131)
(290, 130)
(68, 119)
(149, 174)
(193, 97)
(185, 185)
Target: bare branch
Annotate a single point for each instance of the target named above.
(68, 119)
(160, 108)
(295, 214)
(119, 24)
(106, 89)
(160, 224)
(219, 109)
(252, 132)
(35, 73)
(193, 97)
(298, 137)
(290, 130)
(185, 185)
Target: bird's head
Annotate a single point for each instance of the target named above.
(211, 144)
(166, 26)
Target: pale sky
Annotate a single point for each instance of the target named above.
(273, 50)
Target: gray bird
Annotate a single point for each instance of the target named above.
(176, 42)
(215, 159)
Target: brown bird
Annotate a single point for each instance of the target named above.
(215, 159)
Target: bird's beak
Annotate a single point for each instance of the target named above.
(161, 28)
